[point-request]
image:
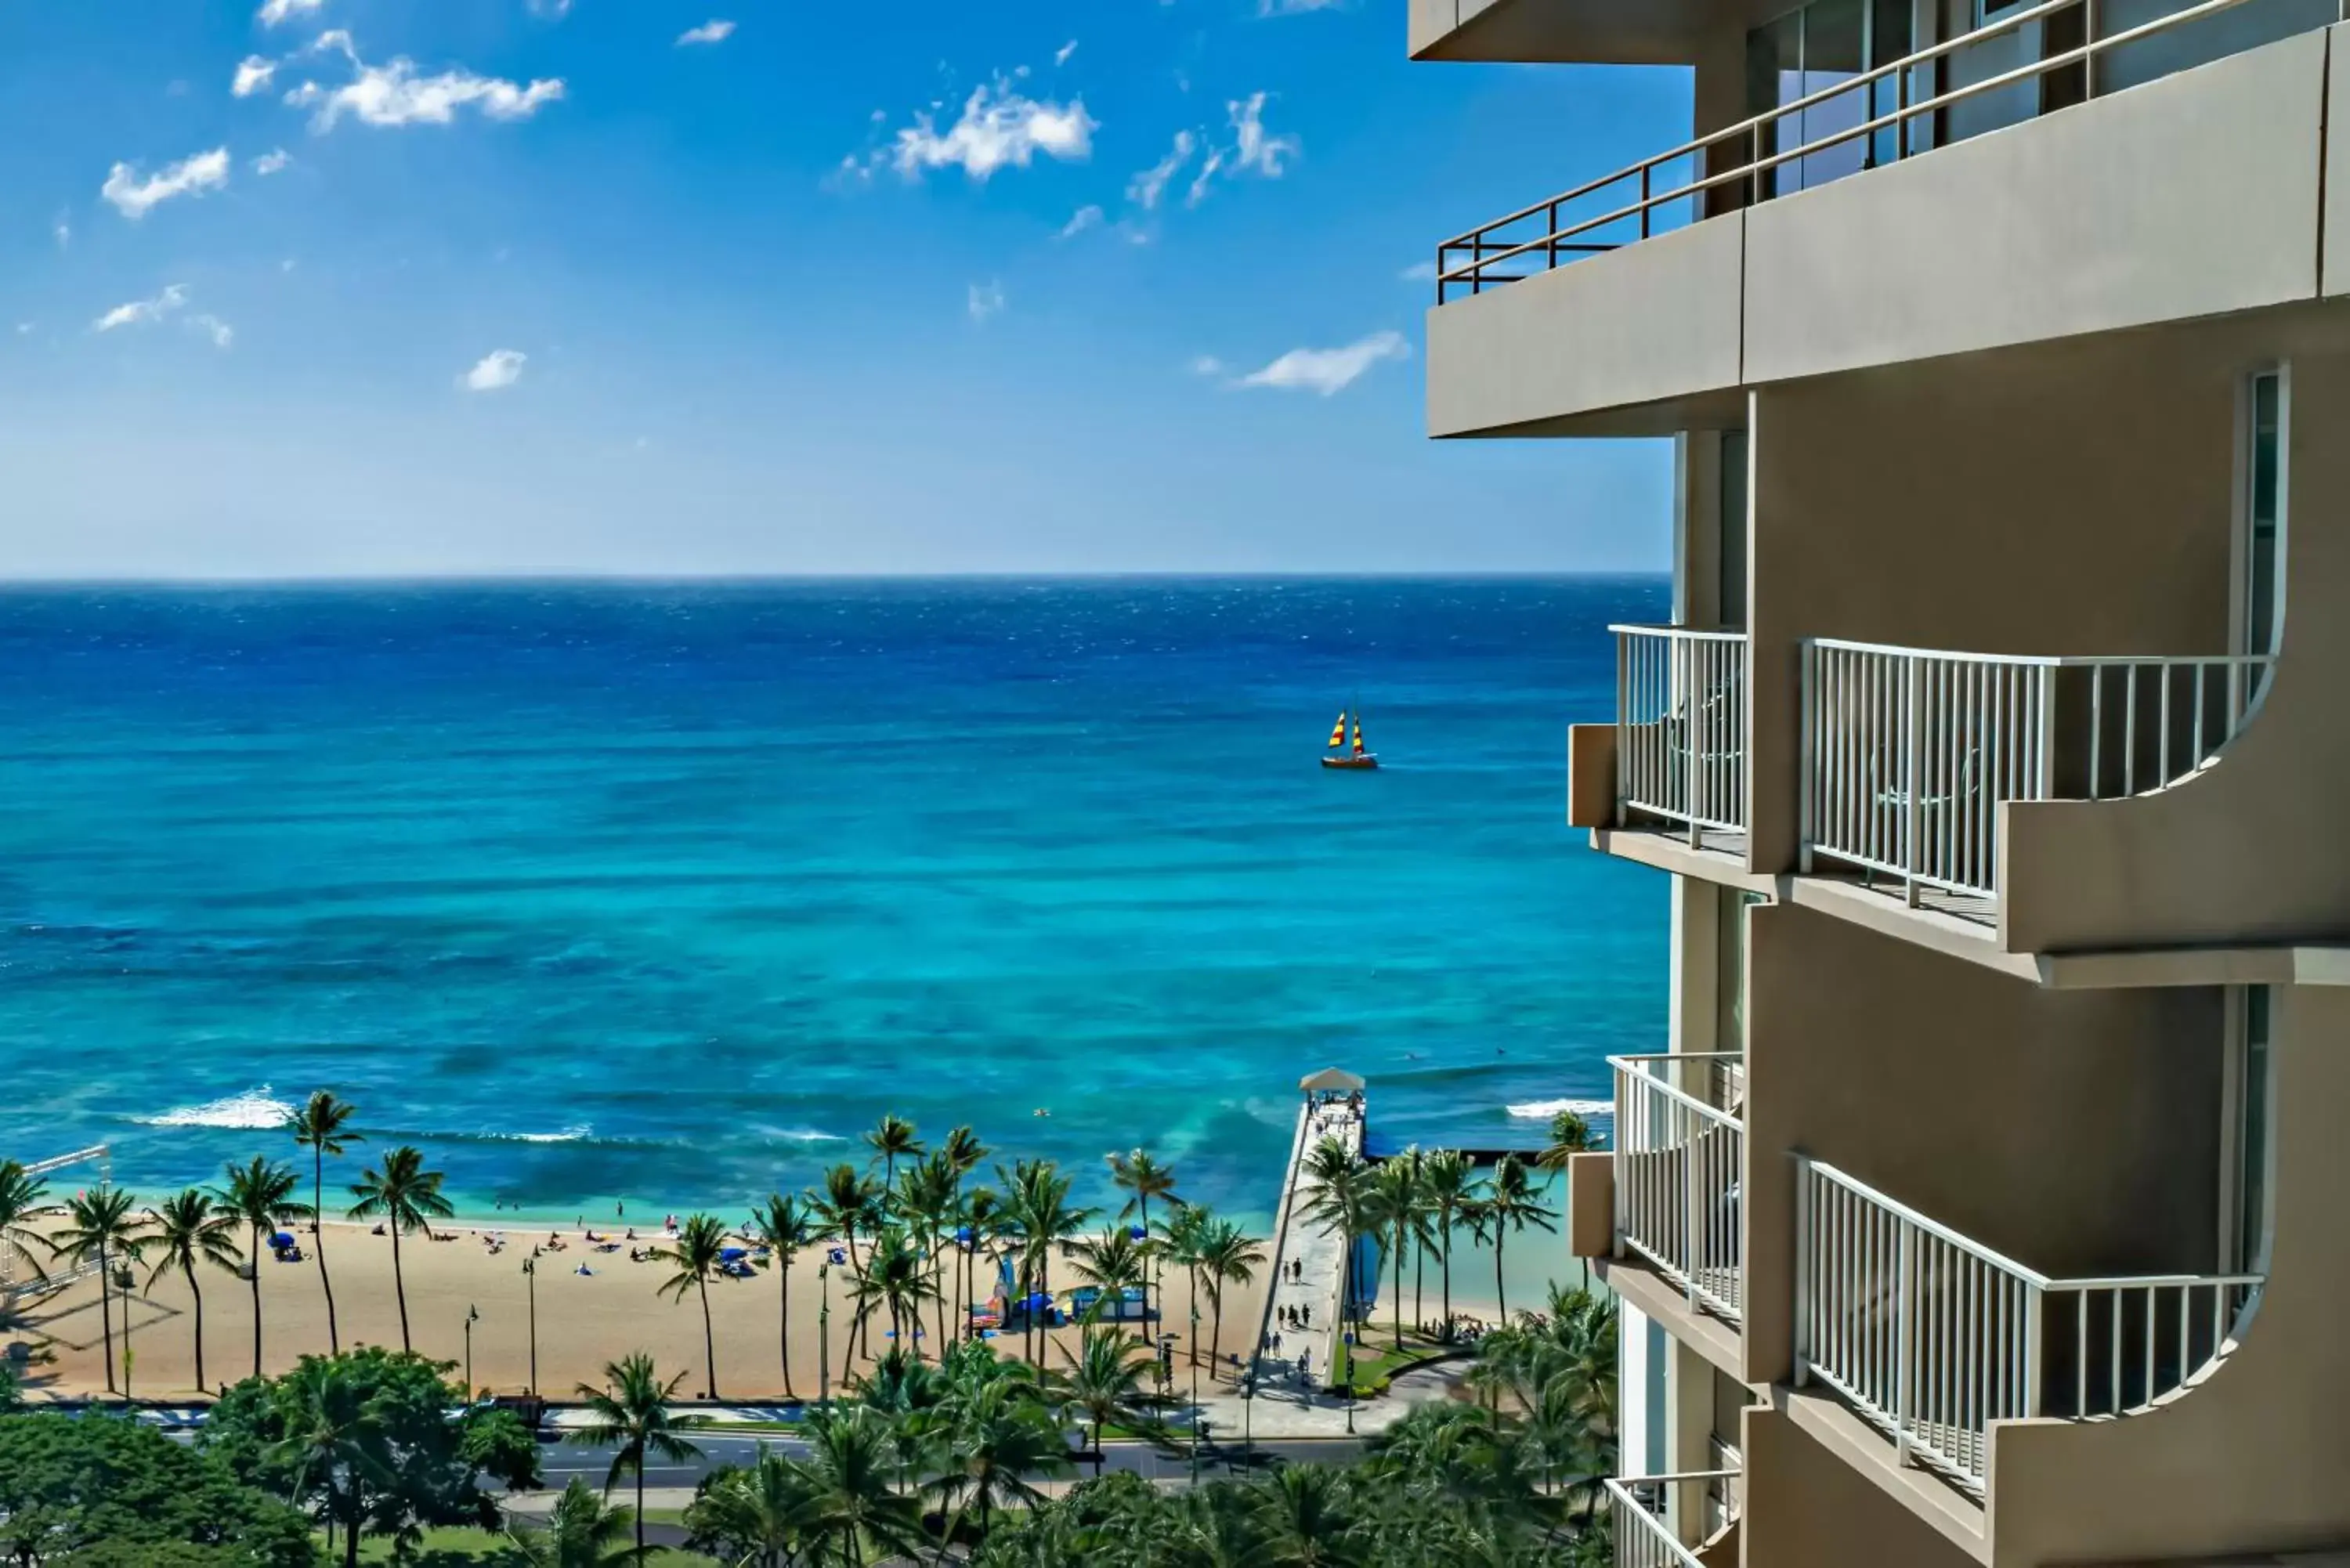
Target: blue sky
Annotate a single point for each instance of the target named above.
(514, 286)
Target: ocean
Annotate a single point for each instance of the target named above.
(661, 894)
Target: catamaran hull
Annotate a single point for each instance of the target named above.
(1353, 764)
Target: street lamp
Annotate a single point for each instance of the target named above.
(1200, 1426)
(1248, 1418)
(530, 1284)
(824, 1338)
(473, 1316)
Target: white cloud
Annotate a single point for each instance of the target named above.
(499, 368)
(713, 31)
(1297, 7)
(1328, 370)
(25, 328)
(1061, 55)
(1419, 272)
(393, 95)
(253, 74)
(1254, 149)
(986, 300)
(62, 232)
(1084, 218)
(999, 126)
(212, 327)
(1144, 189)
(132, 196)
(274, 12)
(144, 312)
(1207, 365)
(273, 162)
(1199, 191)
(553, 10)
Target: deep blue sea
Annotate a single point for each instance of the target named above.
(664, 892)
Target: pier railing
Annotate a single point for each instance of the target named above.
(1679, 1168)
(1681, 727)
(1652, 1514)
(1931, 1336)
(1908, 753)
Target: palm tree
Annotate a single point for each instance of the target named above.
(260, 1195)
(333, 1431)
(187, 1230)
(1392, 1207)
(983, 1215)
(891, 1136)
(1135, 1172)
(695, 1253)
(926, 1203)
(762, 1506)
(1304, 1519)
(98, 1228)
(848, 1202)
(992, 1439)
(1511, 1205)
(20, 1195)
(897, 1280)
(852, 1466)
(784, 1225)
(1340, 1204)
(582, 1530)
(962, 1152)
(1047, 1221)
(1228, 1255)
(1111, 1261)
(1570, 1134)
(1180, 1232)
(1103, 1380)
(630, 1415)
(1453, 1191)
(407, 1197)
(321, 1127)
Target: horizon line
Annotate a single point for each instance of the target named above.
(523, 579)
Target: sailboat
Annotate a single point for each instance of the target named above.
(1337, 756)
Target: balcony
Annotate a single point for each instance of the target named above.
(1680, 730)
(1869, 221)
(1909, 753)
(1931, 1337)
(1675, 1522)
(1679, 1163)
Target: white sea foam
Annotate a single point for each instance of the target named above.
(254, 1109)
(1542, 1110)
(797, 1135)
(568, 1135)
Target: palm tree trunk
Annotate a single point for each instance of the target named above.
(848, 1356)
(1500, 1292)
(1444, 1272)
(399, 1289)
(1398, 1289)
(1216, 1343)
(1418, 1278)
(318, 1245)
(1192, 1290)
(783, 1340)
(1100, 1455)
(256, 1301)
(196, 1291)
(709, 1340)
(106, 1313)
(1145, 1197)
(640, 1507)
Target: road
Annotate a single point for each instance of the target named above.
(561, 1461)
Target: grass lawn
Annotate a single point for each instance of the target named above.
(469, 1548)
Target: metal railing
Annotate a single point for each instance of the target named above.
(1634, 193)
(1680, 726)
(1644, 1511)
(1679, 1171)
(1932, 1336)
(1908, 754)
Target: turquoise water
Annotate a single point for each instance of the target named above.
(663, 893)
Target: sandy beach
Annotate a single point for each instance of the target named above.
(582, 1322)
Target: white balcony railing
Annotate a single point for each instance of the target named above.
(1907, 753)
(1875, 115)
(1680, 1166)
(1680, 726)
(1649, 1514)
(1932, 1337)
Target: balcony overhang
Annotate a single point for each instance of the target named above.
(1637, 1284)
(1584, 32)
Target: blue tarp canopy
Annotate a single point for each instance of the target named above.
(282, 1238)
(728, 1254)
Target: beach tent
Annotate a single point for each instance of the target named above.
(728, 1254)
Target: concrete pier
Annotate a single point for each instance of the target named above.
(1309, 1262)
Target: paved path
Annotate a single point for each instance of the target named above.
(1309, 1264)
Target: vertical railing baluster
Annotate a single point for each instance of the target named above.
(1904, 1307)
(1912, 765)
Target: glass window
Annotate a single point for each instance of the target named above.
(2190, 44)
(2253, 1134)
(1733, 556)
(2264, 510)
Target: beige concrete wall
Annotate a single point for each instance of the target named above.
(2076, 1132)
(2072, 498)
(2253, 848)
(2130, 210)
(1591, 775)
(1805, 1507)
(2257, 1457)
(1658, 321)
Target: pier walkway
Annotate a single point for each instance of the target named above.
(1309, 1262)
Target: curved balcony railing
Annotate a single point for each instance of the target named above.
(1931, 1336)
(1668, 190)
(1648, 1513)
(1681, 727)
(1681, 1159)
(1908, 754)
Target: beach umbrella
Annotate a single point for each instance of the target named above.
(837, 1256)
(728, 1254)
(281, 1239)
